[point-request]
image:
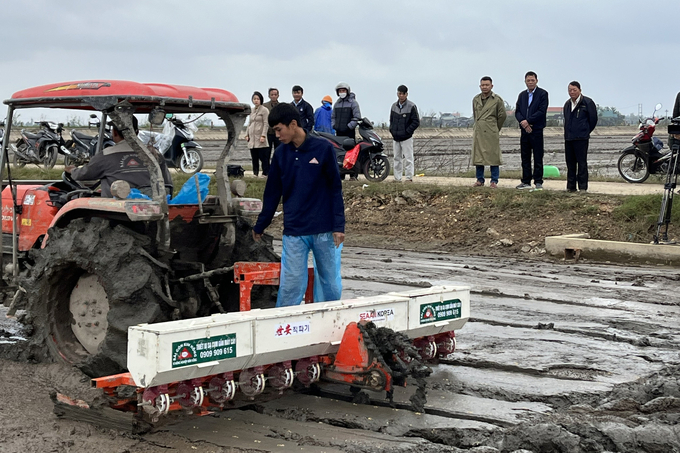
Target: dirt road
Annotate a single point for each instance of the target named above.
(557, 358)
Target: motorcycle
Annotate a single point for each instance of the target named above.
(80, 149)
(176, 144)
(646, 155)
(41, 148)
(371, 159)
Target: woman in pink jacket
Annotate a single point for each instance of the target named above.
(256, 135)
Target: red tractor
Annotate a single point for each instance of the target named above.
(86, 268)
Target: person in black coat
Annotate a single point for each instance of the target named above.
(305, 109)
(531, 111)
(580, 118)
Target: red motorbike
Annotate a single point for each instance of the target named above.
(364, 156)
(646, 155)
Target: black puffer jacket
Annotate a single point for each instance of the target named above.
(404, 121)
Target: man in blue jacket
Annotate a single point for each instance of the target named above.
(304, 108)
(580, 118)
(322, 116)
(305, 175)
(531, 111)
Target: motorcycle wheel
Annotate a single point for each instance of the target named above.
(191, 163)
(17, 161)
(49, 159)
(377, 168)
(632, 168)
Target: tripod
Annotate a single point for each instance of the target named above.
(667, 200)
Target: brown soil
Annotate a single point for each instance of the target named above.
(473, 221)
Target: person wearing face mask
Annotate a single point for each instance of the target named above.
(322, 116)
(345, 110)
(343, 117)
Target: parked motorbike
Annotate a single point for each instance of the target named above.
(80, 149)
(177, 145)
(41, 148)
(371, 161)
(646, 155)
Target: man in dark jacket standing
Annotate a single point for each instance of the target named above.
(404, 120)
(304, 175)
(272, 140)
(580, 118)
(531, 111)
(306, 111)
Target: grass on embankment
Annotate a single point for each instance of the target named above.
(617, 217)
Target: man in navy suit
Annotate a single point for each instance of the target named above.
(531, 111)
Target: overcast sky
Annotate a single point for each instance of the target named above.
(623, 52)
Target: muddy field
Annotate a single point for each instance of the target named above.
(558, 357)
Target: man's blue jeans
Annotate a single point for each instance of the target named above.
(495, 173)
(294, 259)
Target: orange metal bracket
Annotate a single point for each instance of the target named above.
(247, 274)
(115, 380)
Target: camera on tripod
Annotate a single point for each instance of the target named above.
(674, 126)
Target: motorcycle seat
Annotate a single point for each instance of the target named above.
(32, 136)
(82, 137)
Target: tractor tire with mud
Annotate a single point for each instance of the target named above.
(88, 285)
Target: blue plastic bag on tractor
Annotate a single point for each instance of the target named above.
(188, 194)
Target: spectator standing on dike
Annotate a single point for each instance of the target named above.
(489, 113)
(404, 120)
(322, 116)
(345, 112)
(304, 174)
(256, 135)
(271, 136)
(306, 111)
(580, 118)
(531, 112)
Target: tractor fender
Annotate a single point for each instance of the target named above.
(136, 210)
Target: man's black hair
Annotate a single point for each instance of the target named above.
(135, 126)
(575, 83)
(298, 88)
(402, 89)
(283, 113)
(272, 89)
(259, 95)
(530, 73)
(486, 77)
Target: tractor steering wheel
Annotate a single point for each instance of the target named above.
(72, 183)
(77, 189)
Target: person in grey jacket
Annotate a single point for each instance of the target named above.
(580, 118)
(404, 120)
(345, 110)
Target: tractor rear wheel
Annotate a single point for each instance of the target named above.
(89, 284)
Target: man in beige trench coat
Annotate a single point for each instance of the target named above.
(488, 110)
